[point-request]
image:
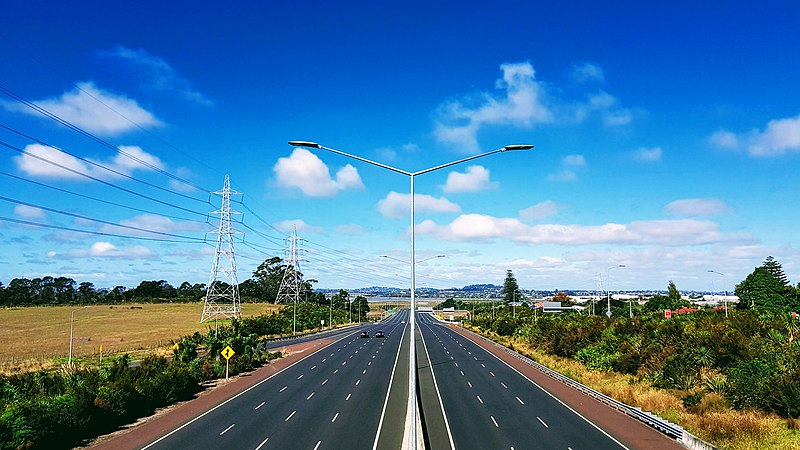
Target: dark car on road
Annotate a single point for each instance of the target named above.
(364, 334)
(379, 334)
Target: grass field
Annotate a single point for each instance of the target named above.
(42, 333)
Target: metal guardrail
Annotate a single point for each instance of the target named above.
(670, 429)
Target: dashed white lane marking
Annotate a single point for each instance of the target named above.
(331, 354)
(348, 397)
(479, 399)
(317, 446)
(358, 381)
(462, 372)
(503, 384)
(262, 444)
(313, 367)
(365, 371)
(289, 416)
(324, 359)
(476, 358)
(483, 365)
(309, 397)
(344, 362)
(542, 421)
(260, 405)
(470, 384)
(301, 376)
(495, 422)
(491, 373)
(369, 363)
(456, 364)
(334, 417)
(226, 429)
(335, 370)
(519, 400)
(351, 357)
(283, 388)
(323, 383)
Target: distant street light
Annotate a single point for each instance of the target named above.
(71, 320)
(608, 291)
(724, 299)
(412, 388)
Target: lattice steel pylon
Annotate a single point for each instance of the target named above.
(222, 295)
(291, 285)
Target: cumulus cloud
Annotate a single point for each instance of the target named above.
(397, 205)
(587, 72)
(49, 162)
(105, 250)
(539, 263)
(305, 171)
(570, 164)
(479, 227)
(160, 75)
(302, 227)
(95, 110)
(779, 137)
(476, 178)
(539, 211)
(520, 104)
(697, 207)
(29, 212)
(643, 154)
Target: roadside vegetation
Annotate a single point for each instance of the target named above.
(732, 381)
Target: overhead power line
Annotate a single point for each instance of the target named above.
(187, 240)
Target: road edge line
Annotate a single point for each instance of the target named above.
(436, 385)
(388, 391)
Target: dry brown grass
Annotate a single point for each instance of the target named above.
(33, 337)
(712, 420)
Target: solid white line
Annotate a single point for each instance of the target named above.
(479, 399)
(309, 397)
(436, 385)
(334, 417)
(518, 399)
(388, 390)
(262, 444)
(317, 446)
(226, 429)
(283, 388)
(259, 406)
(542, 421)
(290, 416)
(495, 422)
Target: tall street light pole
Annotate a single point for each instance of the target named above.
(608, 292)
(71, 320)
(412, 391)
(725, 299)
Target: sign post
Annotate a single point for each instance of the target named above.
(226, 353)
(667, 313)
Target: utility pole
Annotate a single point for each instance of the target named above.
(222, 296)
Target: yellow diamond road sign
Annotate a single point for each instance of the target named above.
(227, 352)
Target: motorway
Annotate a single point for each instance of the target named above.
(489, 405)
(332, 399)
(353, 394)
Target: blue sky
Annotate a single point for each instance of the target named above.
(667, 140)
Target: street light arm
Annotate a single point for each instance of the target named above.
(310, 144)
(499, 150)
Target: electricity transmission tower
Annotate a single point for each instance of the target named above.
(292, 282)
(222, 296)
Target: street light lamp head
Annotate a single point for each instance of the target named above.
(304, 144)
(512, 147)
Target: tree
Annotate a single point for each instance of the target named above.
(673, 293)
(361, 306)
(87, 293)
(269, 275)
(341, 300)
(510, 287)
(767, 287)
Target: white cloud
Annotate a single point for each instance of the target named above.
(476, 178)
(95, 110)
(305, 171)
(539, 263)
(697, 207)
(105, 250)
(302, 227)
(479, 227)
(586, 72)
(574, 161)
(29, 212)
(397, 205)
(564, 175)
(643, 154)
(606, 105)
(539, 211)
(160, 75)
(156, 223)
(781, 136)
(34, 162)
(520, 105)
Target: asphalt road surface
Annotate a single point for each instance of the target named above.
(333, 399)
(488, 405)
